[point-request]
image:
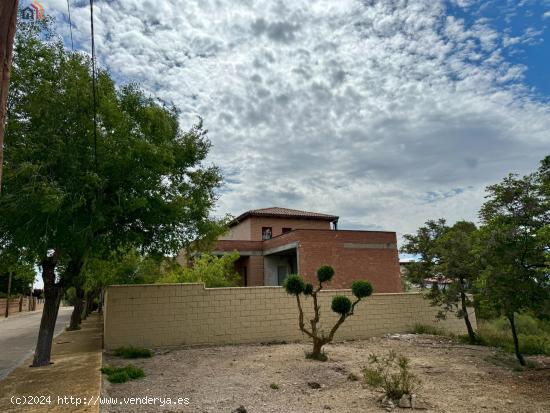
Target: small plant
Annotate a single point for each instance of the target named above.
(274, 386)
(122, 374)
(392, 374)
(133, 352)
(295, 285)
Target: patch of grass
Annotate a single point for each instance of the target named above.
(427, 329)
(533, 334)
(131, 352)
(274, 386)
(122, 374)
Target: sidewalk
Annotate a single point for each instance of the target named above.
(77, 359)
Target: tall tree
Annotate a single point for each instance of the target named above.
(512, 248)
(445, 253)
(458, 264)
(8, 20)
(146, 186)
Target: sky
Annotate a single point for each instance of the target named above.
(387, 113)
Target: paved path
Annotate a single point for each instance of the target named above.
(75, 372)
(18, 335)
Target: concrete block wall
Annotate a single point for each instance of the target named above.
(188, 314)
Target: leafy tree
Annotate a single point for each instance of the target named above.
(146, 185)
(21, 270)
(342, 305)
(424, 245)
(208, 269)
(459, 265)
(512, 246)
(445, 252)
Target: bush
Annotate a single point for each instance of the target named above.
(294, 284)
(122, 374)
(361, 288)
(392, 374)
(133, 352)
(341, 304)
(325, 273)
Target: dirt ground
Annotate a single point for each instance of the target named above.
(455, 378)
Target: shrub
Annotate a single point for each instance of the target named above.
(133, 352)
(295, 285)
(122, 374)
(533, 334)
(274, 386)
(392, 374)
(341, 304)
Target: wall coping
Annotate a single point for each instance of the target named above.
(259, 287)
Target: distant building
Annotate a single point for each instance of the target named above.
(275, 242)
(440, 280)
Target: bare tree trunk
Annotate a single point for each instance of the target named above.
(76, 316)
(52, 294)
(519, 356)
(8, 297)
(471, 334)
(8, 22)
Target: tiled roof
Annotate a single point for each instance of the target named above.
(276, 212)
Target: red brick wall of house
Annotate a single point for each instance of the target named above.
(277, 225)
(378, 264)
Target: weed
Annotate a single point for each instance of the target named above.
(392, 374)
(274, 386)
(133, 352)
(122, 374)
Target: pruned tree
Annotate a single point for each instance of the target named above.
(342, 305)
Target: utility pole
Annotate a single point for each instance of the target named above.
(8, 297)
(8, 21)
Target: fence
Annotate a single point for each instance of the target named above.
(20, 304)
(189, 314)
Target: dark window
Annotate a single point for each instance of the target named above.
(285, 230)
(267, 233)
(245, 277)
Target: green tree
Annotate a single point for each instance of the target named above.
(146, 185)
(342, 305)
(209, 269)
(445, 252)
(21, 270)
(458, 264)
(423, 244)
(512, 246)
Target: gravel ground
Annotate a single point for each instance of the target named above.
(455, 378)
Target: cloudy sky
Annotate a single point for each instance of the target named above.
(386, 113)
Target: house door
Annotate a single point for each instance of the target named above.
(281, 274)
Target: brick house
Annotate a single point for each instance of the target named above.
(276, 242)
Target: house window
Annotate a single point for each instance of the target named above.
(267, 233)
(281, 274)
(285, 230)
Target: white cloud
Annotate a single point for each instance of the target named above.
(546, 15)
(387, 113)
